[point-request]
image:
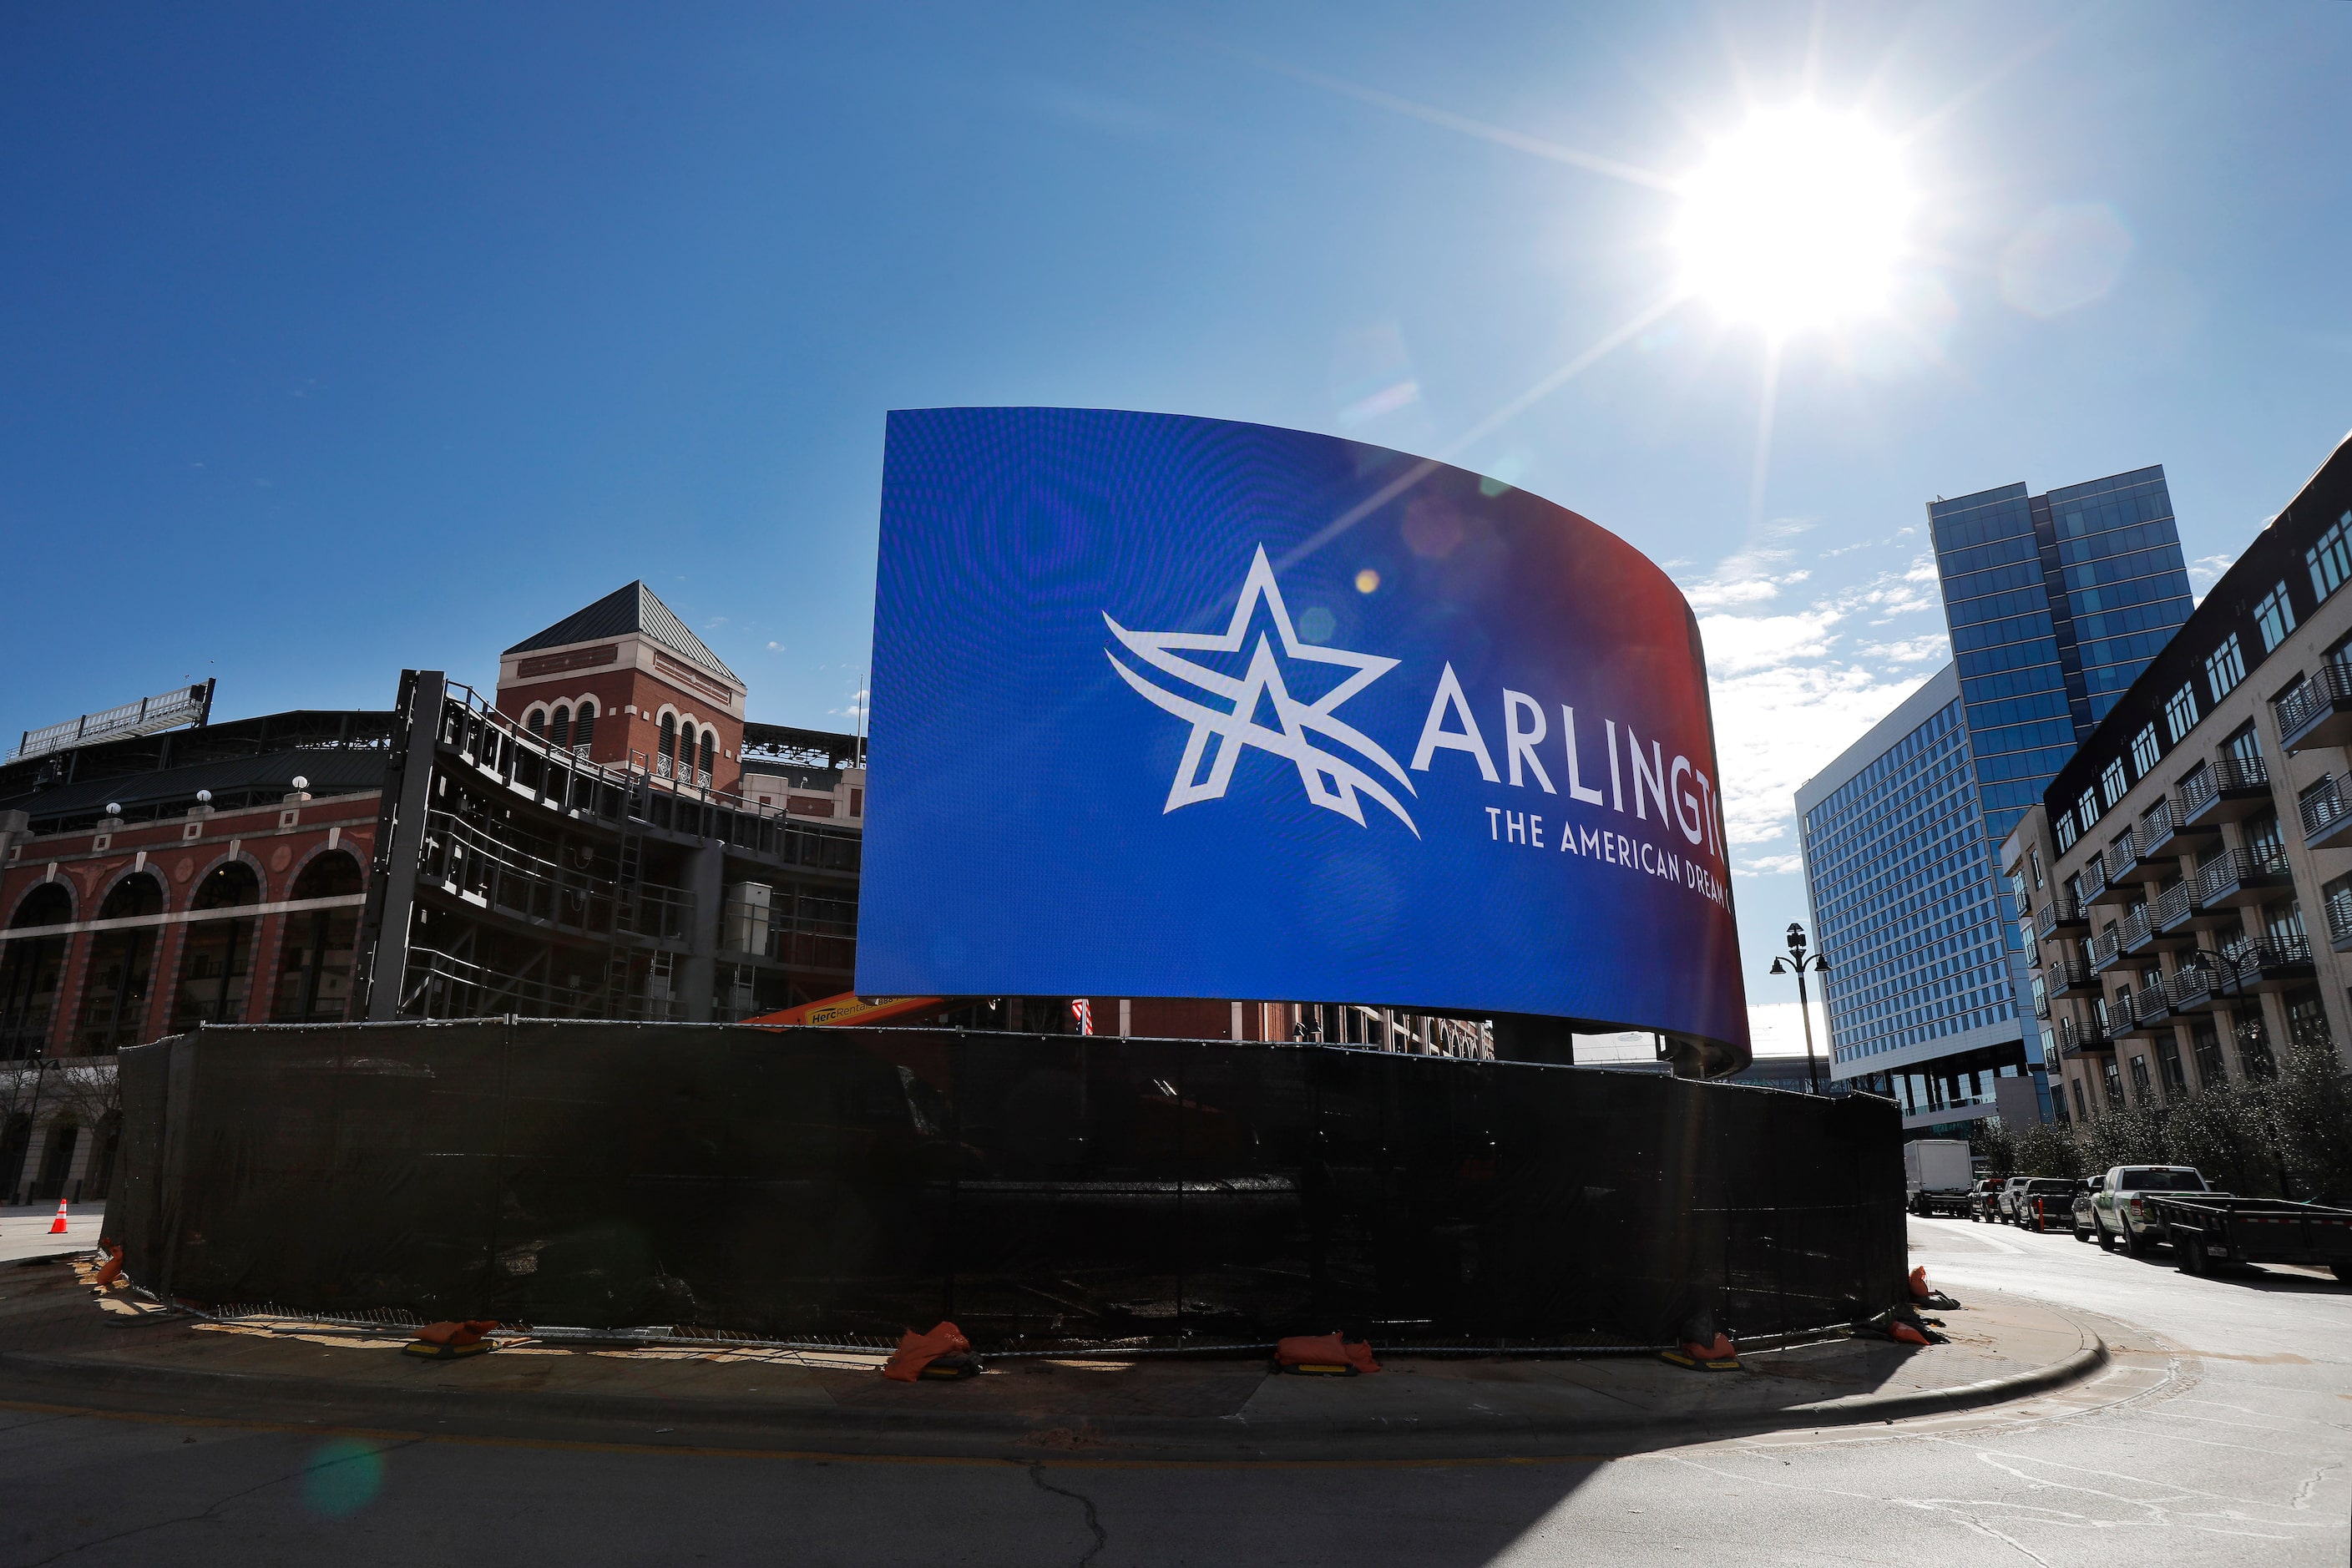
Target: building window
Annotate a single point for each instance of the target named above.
(122, 965)
(2033, 859)
(536, 721)
(2168, 1057)
(2205, 1042)
(2113, 1083)
(2082, 1111)
(2306, 1024)
(2087, 809)
(2142, 1090)
(2331, 559)
(2224, 667)
(709, 742)
(2065, 832)
(585, 727)
(668, 742)
(2112, 783)
(314, 965)
(216, 962)
(2181, 711)
(2275, 618)
(558, 729)
(2245, 749)
(2144, 752)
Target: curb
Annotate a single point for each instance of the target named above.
(947, 1433)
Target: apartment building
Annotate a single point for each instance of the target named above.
(2184, 886)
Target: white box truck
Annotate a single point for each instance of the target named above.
(1936, 1176)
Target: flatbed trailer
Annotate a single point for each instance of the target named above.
(2205, 1228)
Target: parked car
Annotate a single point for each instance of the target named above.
(2120, 1207)
(2005, 1200)
(2044, 1203)
(1985, 1201)
(2087, 1209)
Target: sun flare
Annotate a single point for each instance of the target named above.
(1796, 221)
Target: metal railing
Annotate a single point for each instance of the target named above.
(2068, 974)
(2156, 825)
(2219, 775)
(2103, 948)
(2276, 952)
(2234, 867)
(2323, 808)
(2082, 1036)
(2170, 907)
(2059, 909)
(2330, 685)
(164, 711)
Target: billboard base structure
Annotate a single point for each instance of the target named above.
(841, 1183)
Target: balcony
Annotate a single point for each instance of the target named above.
(2225, 790)
(2273, 965)
(2236, 879)
(2340, 916)
(2103, 950)
(2073, 977)
(2198, 988)
(2161, 835)
(2169, 915)
(2134, 936)
(2075, 1037)
(2140, 1015)
(2135, 860)
(2104, 883)
(2318, 712)
(2059, 914)
(2326, 817)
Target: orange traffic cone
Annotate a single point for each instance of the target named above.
(58, 1226)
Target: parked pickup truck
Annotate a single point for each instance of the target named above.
(2212, 1227)
(2119, 1209)
(2045, 1203)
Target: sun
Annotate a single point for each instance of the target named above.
(1797, 221)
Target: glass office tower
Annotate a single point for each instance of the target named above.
(2055, 603)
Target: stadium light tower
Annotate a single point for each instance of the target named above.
(1796, 963)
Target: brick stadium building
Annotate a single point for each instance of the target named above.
(608, 837)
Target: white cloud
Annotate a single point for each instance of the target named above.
(2206, 570)
(1789, 693)
(1769, 865)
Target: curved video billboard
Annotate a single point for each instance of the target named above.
(1177, 706)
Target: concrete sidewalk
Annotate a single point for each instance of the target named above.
(61, 1345)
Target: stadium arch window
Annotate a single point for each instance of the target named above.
(2275, 618)
(668, 743)
(2330, 559)
(216, 964)
(710, 741)
(2224, 667)
(31, 970)
(48, 904)
(536, 720)
(314, 966)
(559, 726)
(2180, 712)
(120, 978)
(583, 727)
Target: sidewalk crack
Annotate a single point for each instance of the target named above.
(1094, 1521)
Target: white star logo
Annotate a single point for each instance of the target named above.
(1331, 780)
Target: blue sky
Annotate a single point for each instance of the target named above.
(336, 340)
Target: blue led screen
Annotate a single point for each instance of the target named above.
(1178, 706)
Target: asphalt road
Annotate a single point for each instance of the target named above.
(2223, 1436)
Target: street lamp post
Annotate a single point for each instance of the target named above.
(1796, 963)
